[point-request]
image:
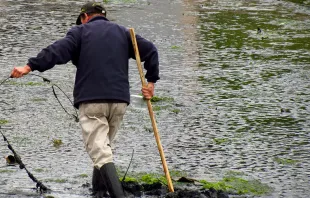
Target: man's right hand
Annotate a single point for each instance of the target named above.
(148, 91)
(18, 72)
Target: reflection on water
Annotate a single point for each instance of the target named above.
(240, 94)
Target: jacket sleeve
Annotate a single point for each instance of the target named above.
(148, 55)
(60, 52)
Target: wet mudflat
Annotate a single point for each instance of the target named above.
(234, 75)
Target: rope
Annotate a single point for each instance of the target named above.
(54, 85)
(39, 185)
(133, 151)
(4, 80)
(75, 116)
(16, 156)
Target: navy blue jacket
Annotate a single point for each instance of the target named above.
(100, 50)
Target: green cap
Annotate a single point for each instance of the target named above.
(90, 7)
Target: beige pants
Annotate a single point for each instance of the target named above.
(100, 122)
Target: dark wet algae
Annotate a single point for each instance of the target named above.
(156, 185)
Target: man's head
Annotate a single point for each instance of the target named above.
(88, 10)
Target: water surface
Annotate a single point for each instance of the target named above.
(240, 96)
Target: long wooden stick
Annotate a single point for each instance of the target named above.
(149, 105)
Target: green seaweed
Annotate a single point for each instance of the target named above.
(83, 175)
(232, 173)
(153, 178)
(158, 99)
(176, 111)
(220, 140)
(175, 173)
(2, 122)
(49, 196)
(6, 171)
(285, 161)
(161, 104)
(34, 83)
(238, 185)
(57, 142)
(148, 129)
(267, 74)
(119, 1)
(26, 83)
(58, 180)
(129, 179)
(158, 108)
(145, 178)
(305, 2)
(149, 179)
(175, 47)
(232, 182)
(38, 99)
(39, 170)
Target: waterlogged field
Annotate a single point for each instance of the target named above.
(232, 105)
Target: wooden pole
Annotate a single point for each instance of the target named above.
(150, 108)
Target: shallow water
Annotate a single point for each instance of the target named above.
(241, 98)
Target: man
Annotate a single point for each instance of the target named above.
(100, 50)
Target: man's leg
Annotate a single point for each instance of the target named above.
(95, 127)
(98, 187)
(117, 112)
(108, 170)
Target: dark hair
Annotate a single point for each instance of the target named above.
(92, 14)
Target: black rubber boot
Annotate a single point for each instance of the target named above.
(111, 180)
(99, 189)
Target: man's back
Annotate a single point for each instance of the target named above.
(100, 50)
(102, 65)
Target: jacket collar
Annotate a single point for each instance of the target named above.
(95, 18)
